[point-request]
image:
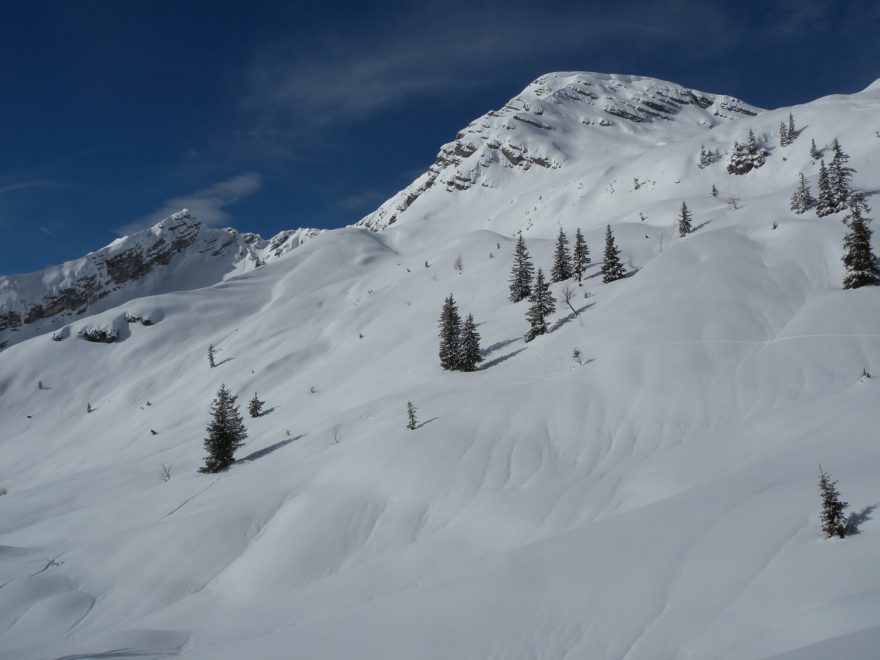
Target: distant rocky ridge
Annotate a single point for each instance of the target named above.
(550, 120)
(177, 253)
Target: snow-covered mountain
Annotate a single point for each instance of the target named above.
(175, 254)
(654, 499)
(557, 121)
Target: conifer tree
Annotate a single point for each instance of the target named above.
(834, 522)
(521, 274)
(802, 198)
(815, 154)
(612, 269)
(255, 407)
(226, 432)
(859, 260)
(411, 422)
(784, 139)
(561, 259)
(450, 335)
(840, 177)
(211, 355)
(790, 129)
(714, 191)
(581, 255)
(542, 305)
(684, 221)
(825, 198)
(470, 345)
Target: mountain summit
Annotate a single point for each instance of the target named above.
(557, 120)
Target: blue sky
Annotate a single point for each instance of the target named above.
(275, 115)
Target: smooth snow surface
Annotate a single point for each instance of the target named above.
(657, 502)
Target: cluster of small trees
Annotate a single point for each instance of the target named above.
(707, 156)
(566, 265)
(459, 342)
(787, 132)
(835, 194)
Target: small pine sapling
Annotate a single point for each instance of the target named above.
(211, 356)
(89, 408)
(815, 154)
(834, 522)
(714, 191)
(255, 407)
(412, 423)
(684, 221)
(577, 356)
(802, 199)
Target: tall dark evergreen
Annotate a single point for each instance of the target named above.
(581, 255)
(450, 335)
(470, 345)
(802, 199)
(521, 274)
(840, 177)
(815, 154)
(226, 432)
(825, 198)
(562, 269)
(412, 423)
(859, 260)
(612, 269)
(211, 362)
(542, 305)
(792, 131)
(684, 221)
(834, 522)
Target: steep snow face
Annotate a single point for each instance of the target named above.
(177, 253)
(557, 120)
(655, 500)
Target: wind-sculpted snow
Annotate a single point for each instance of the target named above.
(656, 500)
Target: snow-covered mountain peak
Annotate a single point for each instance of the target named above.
(559, 118)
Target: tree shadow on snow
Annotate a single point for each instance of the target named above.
(498, 346)
(570, 316)
(499, 360)
(265, 412)
(859, 518)
(426, 422)
(223, 361)
(268, 450)
(700, 226)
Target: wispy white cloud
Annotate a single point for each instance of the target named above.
(208, 204)
(450, 48)
(27, 184)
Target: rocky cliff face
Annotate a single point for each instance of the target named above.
(177, 253)
(556, 118)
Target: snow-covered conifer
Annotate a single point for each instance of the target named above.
(450, 335)
(784, 140)
(470, 345)
(790, 129)
(521, 274)
(746, 157)
(561, 259)
(542, 305)
(211, 355)
(834, 522)
(840, 177)
(825, 198)
(612, 269)
(226, 432)
(581, 255)
(684, 221)
(802, 199)
(815, 154)
(859, 260)
(714, 191)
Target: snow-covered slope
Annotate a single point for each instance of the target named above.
(656, 502)
(175, 254)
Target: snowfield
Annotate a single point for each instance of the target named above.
(657, 502)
